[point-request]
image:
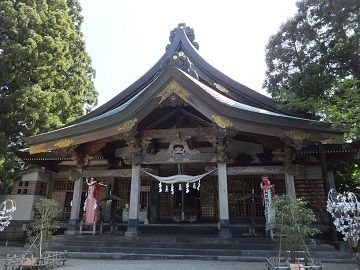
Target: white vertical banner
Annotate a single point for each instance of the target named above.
(269, 225)
(267, 192)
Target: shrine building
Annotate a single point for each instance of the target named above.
(183, 117)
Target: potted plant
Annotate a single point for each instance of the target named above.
(293, 227)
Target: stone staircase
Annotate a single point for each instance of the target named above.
(180, 246)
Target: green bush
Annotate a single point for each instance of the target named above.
(293, 226)
(40, 234)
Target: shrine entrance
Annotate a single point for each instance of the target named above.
(196, 205)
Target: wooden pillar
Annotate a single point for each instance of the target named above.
(331, 180)
(224, 228)
(75, 207)
(290, 185)
(132, 229)
(107, 211)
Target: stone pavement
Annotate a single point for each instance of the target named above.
(97, 264)
(93, 264)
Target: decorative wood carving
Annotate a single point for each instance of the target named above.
(178, 152)
(174, 88)
(127, 125)
(297, 135)
(181, 61)
(39, 148)
(222, 121)
(165, 158)
(188, 31)
(246, 170)
(175, 133)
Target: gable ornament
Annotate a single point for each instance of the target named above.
(174, 88)
(43, 147)
(222, 121)
(127, 125)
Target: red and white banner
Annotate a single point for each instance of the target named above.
(267, 192)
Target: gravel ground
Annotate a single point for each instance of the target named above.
(97, 264)
(93, 264)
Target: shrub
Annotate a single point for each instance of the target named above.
(40, 234)
(293, 225)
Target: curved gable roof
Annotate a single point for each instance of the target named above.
(240, 105)
(207, 73)
(206, 100)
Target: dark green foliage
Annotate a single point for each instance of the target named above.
(46, 78)
(44, 224)
(293, 226)
(313, 62)
(347, 177)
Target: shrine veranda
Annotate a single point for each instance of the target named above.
(183, 117)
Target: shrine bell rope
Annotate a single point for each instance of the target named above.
(179, 179)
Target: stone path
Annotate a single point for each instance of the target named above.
(93, 264)
(97, 264)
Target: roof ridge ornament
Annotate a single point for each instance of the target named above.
(181, 61)
(188, 31)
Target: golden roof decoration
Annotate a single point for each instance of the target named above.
(40, 148)
(127, 125)
(222, 121)
(177, 89)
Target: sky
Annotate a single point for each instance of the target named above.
(125, 38)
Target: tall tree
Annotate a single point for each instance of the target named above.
(313, 62)
(46, 77)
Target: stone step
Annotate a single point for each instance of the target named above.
(179, 245)
(193, 252)
(160, 250)
(197, 229)
(164, 239)
(227, 246)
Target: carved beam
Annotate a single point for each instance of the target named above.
(175, 133)
(253, 170)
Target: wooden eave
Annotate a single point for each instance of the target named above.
(219, 109)
(207, 73)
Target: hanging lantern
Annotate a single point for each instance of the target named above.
(194, 185)
(166, 188)
(180, 186)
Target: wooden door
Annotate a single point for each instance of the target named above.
(208, 199)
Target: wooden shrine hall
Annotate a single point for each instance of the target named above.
(183, 117)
